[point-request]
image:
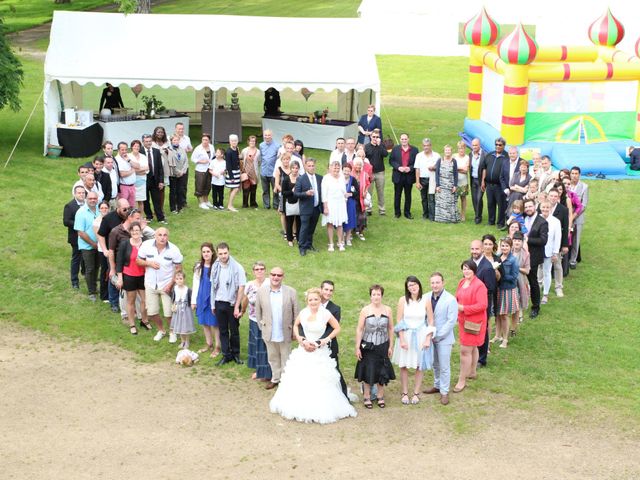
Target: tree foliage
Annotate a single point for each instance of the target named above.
(135, 6)
(11, 74)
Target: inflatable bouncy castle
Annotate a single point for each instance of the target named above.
(578, 104)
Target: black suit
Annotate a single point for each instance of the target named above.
(68, 219)
(309, 213)
(105, 182)
(402, 181)
(154, 178)
(487, 274)
(336, 312)
(491, 168)
(476, 190)
(536, 240)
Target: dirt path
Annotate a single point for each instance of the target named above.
(72, 410)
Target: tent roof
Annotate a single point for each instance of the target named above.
(210, 51)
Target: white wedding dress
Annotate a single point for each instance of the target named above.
(309, 389)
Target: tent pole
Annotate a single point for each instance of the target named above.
(24, 128)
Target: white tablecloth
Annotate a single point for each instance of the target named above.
(134, 129)
(314, 135)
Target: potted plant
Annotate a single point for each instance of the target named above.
(152, 105)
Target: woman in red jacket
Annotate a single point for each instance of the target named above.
(472, 309)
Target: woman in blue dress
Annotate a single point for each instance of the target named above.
(201, 300)
(353, 196)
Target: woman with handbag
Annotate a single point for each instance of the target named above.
(472, 321)
(290, 202)
(249, 161)
(508, 300)
(374, 346)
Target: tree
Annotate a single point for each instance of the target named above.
(135, 6)
(11, 74)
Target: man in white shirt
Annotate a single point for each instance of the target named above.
(582, 190)
(425, 166)
(338, 153)
(127, 174)
(161, 259)
(551, 249)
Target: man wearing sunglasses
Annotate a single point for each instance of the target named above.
(276, 311)
(491, 168)
(376, 154)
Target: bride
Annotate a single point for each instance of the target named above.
(309, 389)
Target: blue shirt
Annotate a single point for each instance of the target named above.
(275, 297)
(84, 223)
(269, 154)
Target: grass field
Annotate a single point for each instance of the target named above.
(579, 356)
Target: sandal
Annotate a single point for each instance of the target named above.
(133, 330)
(415, 399)
(381, 402)
(367, 403)
(405, 398)
(145, 325)
(206, 349)
(215, 353)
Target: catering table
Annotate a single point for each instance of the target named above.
(134, 129)
(81, 141)
(227, 122)
(314, 135)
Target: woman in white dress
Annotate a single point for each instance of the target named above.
(334, 201)
(141, 166)
(413, 348)
(309, 389)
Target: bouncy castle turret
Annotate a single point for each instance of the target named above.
(479, 31)
(517, 50)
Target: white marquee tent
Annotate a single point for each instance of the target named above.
(215, 51)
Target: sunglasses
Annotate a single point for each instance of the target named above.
(499, 144)
(277, 275)
(258, 268)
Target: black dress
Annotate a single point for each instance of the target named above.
(375, 366)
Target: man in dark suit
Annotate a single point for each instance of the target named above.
(476, 158)
(487, 274)
(538, 232)
(308, 191)
(103, 178)
(509, 168)
(155, 181)
(68, 220)
(561, 212)
(491, 168)
(402, 160)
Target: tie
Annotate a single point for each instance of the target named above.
(149, 160)
(315, 190)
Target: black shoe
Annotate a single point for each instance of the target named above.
(490, 224)
(408, 216)
(572, 266)
(397, 215)
(115, 309)
(478, 221)
(238, 361)
(222, 361)
(75, 287)
(368, 214)
(303, 253)
(313, 249)
(482, 365)
(534, 313)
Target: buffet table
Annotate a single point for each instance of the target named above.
(314, 135)
(227, 122)
(81, 141)
(134, 129)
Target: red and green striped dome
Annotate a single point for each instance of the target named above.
(481, 30)
(518, 47)
(606, 30)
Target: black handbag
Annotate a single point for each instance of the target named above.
(366, 345)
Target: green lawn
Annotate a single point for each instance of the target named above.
(23, 14)
(579, 356)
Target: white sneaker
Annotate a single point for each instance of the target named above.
(173, 338)
(361, 236)
(209, 204)
(330, 249)
(349, 244)
(159, 336)
(204, 206)
(544, 301)
(341, 247)
(559, 293)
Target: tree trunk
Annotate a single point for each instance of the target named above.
(144, 6)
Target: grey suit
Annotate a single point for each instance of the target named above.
(582, 190)
(277, 351)
(445, 317)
